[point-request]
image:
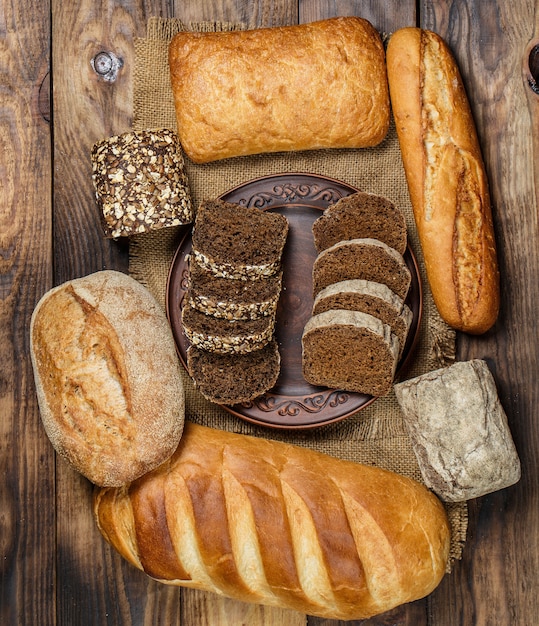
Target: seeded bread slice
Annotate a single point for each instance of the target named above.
(349, 350)
(234, 241)
(230, 298)
(226, 336)
(231, 379)
(359, 216)
(374, 298)
(366, 259)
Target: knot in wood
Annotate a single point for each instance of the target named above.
(106, 65)
(533, 68)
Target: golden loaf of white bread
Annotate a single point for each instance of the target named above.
(446, 178)
(301, 87)
(266, 522)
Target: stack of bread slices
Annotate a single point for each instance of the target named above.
(360, 322)
(234, 284)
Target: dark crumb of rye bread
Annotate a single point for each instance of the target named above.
(348, 358)
(365, 259)
(222, 335)
(232, 379)
(358, 216)
(235, 234)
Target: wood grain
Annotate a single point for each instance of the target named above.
(55, 568)
(488, 40)
(26, 460)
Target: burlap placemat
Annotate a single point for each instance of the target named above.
(375, 435)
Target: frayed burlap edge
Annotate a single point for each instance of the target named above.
(376, 435)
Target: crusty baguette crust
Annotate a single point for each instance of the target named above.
(301, 87)
(107, 377)
(446, 178)
(266, 522)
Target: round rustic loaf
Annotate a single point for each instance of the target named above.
(107, 377)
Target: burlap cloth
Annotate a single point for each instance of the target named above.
(375, 435)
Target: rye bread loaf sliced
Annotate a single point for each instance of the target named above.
(366, 259)
(217, 334)
(232, 379)
(369, 297)
(361, 216)
(459, 431)
(349, 350)
(230, 298)
(234, 241)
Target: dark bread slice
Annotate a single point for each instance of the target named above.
(368, 297)
(361, 216)
(231, 298)
(349, 350)
(226, 336)
(366, 259)
(234, 241)
(231, 379)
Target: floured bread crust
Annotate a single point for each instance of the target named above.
(107, 377)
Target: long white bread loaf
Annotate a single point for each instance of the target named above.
(266, 522)
(446, 178)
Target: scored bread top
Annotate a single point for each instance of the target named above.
(101, 348)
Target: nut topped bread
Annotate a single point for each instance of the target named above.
(140, 182)
(234, 241)
(361, 216)
(367, 259)
(107, 376)
(231, 298)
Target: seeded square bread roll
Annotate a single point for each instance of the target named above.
(216, 334)
(361, 216)
(234, 241)
(230, 298)
(107, 376)
(140, 182)
(373, 298)
(232, 379)
(459, 431)
(349, 350)
(366, 259)
(301, 87)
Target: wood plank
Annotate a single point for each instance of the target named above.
(95, 585)
(27, 534)
(495, 582)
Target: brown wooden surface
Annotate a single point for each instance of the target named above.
(54, 567)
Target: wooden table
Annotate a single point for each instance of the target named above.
(55, 568)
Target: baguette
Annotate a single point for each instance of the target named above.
(301, 87)
(446, 179)
(266, 522)
(107, 377)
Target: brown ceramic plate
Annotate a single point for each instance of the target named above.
(292, 403)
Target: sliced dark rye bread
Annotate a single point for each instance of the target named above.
(369, 297)
(367, 259)
(232, 379)
(349, 350)
(226, 336)
(361, 216)
(230, 298)
(235, 241)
